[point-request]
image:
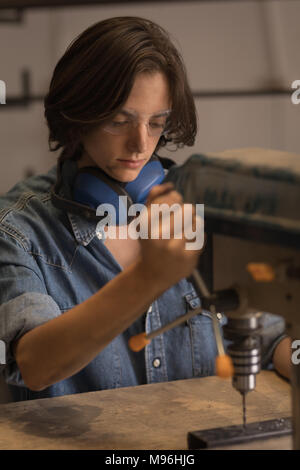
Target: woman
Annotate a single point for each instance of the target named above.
(71, 297)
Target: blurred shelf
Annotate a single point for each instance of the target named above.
(26, 99)
(64, 3)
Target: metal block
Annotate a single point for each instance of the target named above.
(231, 435)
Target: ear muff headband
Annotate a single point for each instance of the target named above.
(92, 187)
(150, 175)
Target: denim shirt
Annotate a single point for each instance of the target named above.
(52, 260)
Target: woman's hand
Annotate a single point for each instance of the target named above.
(167, 260)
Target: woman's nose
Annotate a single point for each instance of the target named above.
(138, 138)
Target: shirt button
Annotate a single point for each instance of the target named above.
(100, 235)
(194, 303)
(156, 362)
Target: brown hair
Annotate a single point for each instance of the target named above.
(94, 77)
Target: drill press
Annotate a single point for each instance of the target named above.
(241, 330)
(252, 221)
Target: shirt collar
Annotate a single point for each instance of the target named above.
(84, 227)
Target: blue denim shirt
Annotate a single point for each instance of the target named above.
(52, 260)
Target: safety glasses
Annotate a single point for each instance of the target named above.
(127, 119)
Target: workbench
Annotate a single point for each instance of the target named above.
(155, 416)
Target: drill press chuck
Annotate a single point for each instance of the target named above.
(244, 349)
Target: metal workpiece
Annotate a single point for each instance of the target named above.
(232, 435)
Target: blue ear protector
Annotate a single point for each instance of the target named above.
(93, 187)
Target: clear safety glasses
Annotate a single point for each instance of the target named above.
(127, 119)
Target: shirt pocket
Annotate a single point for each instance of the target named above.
(203, 342)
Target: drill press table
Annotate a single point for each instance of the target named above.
(155, 416)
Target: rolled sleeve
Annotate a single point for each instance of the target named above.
(17, 317)
(24, 301)
(272, 333)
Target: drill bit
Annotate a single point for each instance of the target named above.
(244, 409)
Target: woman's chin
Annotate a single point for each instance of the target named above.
(125, 176)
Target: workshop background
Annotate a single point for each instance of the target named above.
(241, 56)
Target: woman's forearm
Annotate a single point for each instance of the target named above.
(63, 346)
(282, 358)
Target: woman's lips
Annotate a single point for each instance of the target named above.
(131, 163)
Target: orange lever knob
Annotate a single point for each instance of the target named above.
(138, 342)
(224, 366)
